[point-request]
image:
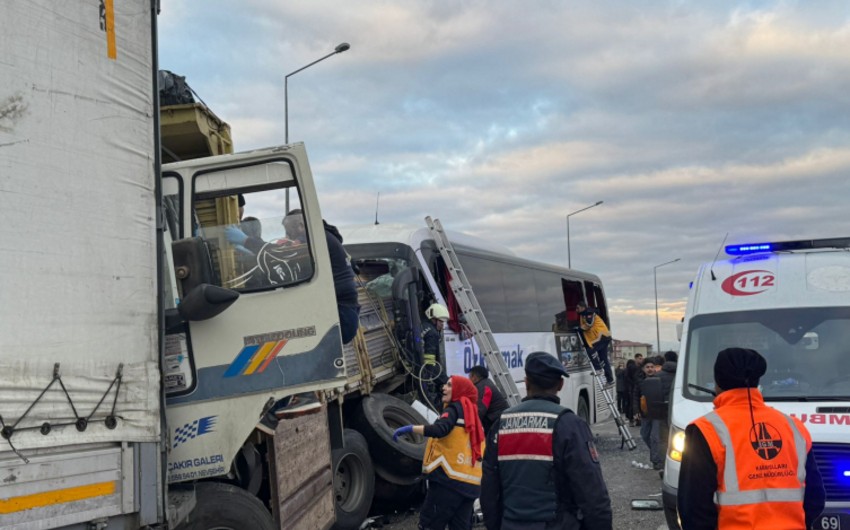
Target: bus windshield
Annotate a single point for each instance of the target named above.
(806, 351)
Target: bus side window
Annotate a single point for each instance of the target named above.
(597, 300)
(572, 296)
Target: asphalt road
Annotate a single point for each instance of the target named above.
(625, 483)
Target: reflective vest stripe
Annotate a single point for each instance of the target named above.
(543, 458)
(800, 444)
(738, 498)
(532, 430)
(441, 461)
(527, 414)
(733, 496)
(730, 472)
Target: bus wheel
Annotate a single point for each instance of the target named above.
(583, 410)
(222, 506)
(354, 481)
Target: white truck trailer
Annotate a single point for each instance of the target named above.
(138, 348)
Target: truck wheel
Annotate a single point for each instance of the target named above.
(354, 481)
(396, 491)
(379, 416)
(583, 410)
(221, 506)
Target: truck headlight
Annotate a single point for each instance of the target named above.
(677, 444)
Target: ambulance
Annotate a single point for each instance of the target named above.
(790, 301)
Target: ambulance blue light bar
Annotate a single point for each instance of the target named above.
(802, 244)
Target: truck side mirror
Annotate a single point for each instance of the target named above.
(206, 301)
(192, 264)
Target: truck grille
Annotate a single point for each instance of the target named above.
(833, 461)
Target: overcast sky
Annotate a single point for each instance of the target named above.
(688, 119)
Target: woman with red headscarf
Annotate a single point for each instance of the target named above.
(452, 460)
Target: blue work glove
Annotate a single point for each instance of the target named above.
(234, 235)
(402, 430)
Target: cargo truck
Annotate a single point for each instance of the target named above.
(139, 347)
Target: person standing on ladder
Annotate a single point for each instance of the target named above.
(433, 374)
(597, 338)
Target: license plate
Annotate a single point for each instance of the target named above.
(830, 522)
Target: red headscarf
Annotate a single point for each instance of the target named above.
(464, 391)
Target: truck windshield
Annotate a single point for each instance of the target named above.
(378, 264)
(806, 349)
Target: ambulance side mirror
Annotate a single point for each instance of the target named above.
(679, 328)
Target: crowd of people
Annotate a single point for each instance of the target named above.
(535, 465)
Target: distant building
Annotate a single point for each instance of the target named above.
(626, 349)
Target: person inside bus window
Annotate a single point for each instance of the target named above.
(597, 338)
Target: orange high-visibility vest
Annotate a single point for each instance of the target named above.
(761, 469)
(453, 453)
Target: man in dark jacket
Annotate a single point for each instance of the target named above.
(541, 469)
(620, 376)
(650, 397)
(667, 374)
(491, 402)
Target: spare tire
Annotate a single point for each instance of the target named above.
(354, 481)
(378, 416)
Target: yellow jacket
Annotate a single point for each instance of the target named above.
(453, 453)
(595, 330)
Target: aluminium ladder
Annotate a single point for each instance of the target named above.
(599, 376)
(475, 319)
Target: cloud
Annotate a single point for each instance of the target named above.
(690, 120)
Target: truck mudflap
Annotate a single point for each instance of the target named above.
(71, 486)
(302, 467)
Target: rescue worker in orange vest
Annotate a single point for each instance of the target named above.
(745, 464)
(452, 461)
(541, 468)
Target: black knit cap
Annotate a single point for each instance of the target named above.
(738, 368)
(544, 366)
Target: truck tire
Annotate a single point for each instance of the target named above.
(379, 415)
(354, 481)
(396, 491)
(222, 506)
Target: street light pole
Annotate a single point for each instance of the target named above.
(597, 203)
(339, 49)
(655, 284)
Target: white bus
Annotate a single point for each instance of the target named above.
(529, 306)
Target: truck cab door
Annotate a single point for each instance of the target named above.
(272, 328)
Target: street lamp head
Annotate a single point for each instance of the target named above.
(598, 203)
(342, 47)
